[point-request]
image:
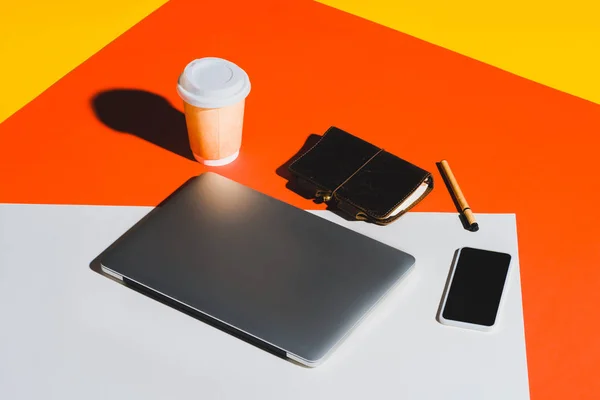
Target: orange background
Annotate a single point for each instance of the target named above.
(514, 145)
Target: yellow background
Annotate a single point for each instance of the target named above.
(556, 43)
(41, 41)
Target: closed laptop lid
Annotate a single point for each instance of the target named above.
(267, 269)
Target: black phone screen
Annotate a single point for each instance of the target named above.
(476, 288)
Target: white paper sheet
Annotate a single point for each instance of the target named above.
(67, 332)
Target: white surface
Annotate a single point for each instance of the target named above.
(212, 83)
(220, 162)
(67, 332)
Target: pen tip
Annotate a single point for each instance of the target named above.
(474, 227)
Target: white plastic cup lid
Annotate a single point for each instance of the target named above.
(213, 83)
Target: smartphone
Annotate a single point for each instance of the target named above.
(475, 289)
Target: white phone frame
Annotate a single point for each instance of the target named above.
(467, 325)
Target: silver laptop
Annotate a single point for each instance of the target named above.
(274, 275)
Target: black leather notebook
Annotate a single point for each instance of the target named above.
(360, 178)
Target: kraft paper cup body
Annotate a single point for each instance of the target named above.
(215, 133)
(214, 92)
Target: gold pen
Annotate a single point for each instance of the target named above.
(458, 197)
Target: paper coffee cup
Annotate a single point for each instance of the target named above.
(214, 92)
